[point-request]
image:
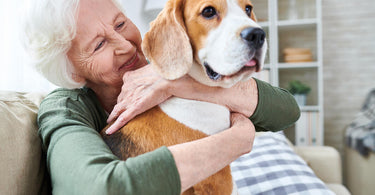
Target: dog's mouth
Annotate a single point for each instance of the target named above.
(250, 65)
(211, 73)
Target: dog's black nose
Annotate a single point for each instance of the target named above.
(254, 37)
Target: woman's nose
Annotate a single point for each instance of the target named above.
(122, 45)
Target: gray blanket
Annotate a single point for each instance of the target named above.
(360, 134)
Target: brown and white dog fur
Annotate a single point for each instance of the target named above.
(208, 40)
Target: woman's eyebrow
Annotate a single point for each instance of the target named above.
(90, 42)
(116, 16)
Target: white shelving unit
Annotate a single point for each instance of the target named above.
(303, 30)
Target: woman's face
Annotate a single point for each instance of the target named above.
(107, 44)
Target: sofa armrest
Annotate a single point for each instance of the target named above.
(22, 165)
(325, 161)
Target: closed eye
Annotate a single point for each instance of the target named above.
(100, 45)
(119, 26)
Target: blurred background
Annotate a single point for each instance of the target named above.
(322, 51)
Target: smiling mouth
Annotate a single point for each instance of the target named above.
(130, 63)
(253, 63)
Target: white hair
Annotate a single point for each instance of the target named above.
(50, 27)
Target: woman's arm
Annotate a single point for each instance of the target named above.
(202, 158)
(79, 161)
(270, 108)
(277, 109)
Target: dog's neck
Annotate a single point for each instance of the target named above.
(204, 116)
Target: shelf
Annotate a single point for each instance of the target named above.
(298, 65)
(309, 108)
(296, 26)
(307, 76)
(300, 23)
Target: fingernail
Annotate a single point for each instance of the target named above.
(108, 131)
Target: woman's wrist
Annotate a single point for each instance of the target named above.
(242, 97)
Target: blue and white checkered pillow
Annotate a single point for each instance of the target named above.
(272, 168)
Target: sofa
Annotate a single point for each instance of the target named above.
(327, 165)
(23, 168)
(360, 149)
(360, 172)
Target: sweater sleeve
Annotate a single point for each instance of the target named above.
(277, 109)
(79, 162)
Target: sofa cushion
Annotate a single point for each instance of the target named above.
(22, 166)
(338, 188)
(272, 167)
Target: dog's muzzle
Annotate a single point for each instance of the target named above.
(254, 38)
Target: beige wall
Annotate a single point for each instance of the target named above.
(349, 63)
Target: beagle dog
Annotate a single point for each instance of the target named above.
(217, 43)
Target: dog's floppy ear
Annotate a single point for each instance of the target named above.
(167, 44)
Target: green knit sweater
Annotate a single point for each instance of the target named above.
(79, 162)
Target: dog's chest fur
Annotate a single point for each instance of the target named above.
(203, 116)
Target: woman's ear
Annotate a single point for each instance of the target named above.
(167, 44)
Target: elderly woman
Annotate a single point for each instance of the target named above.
(93, 50)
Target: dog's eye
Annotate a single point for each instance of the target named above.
(209, 12)
(248, 10)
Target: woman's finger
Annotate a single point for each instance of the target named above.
(125, 117)
(116, 112)
(119, 122)
(113, 128)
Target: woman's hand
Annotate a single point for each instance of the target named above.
(244, 129)
(142, 90)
